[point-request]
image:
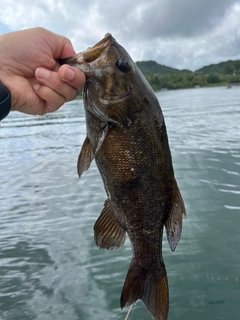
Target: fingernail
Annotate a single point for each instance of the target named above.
(42, 73)
(68, 74)
(36, 86)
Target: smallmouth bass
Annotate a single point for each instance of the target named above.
(127, 137)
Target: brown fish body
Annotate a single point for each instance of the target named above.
(126, 135)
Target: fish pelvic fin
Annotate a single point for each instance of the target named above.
(174, 223)
(108, 232)
(151, 286)
(85, 157)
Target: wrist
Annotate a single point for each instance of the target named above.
(5, 101)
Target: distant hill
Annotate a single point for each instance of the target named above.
(227, 67)
(150, 67)
(162, 77)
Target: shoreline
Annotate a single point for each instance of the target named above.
(226, 85)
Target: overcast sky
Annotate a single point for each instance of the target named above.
(184, 34)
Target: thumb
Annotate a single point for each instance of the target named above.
(67, 50)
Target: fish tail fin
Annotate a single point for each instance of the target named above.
(150, 286)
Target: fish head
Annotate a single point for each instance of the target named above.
(108, 69)
(112, 80)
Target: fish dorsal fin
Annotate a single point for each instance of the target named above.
(174, 223)
(85, 157)
(108, 233)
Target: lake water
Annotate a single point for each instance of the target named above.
(50, 268)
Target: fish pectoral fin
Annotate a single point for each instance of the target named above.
(108, 233)
(85, 157)
(174, 223)
(102, 136)
(151, 286)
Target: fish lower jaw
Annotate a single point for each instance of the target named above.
(112, 100)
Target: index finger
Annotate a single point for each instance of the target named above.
(72, 76)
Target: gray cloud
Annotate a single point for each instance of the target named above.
(183, 18)
(179, 33)
(165, 18)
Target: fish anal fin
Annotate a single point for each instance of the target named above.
(149, 286)
(85, 157)
(174, 223)
(108, 233)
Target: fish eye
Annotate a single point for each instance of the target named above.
(123, 65)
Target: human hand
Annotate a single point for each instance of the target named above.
(30, 71)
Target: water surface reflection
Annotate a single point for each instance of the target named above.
(50, 267)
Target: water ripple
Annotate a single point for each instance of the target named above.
(50, 266)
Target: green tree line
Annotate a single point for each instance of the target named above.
(179, 81)
(224, 73)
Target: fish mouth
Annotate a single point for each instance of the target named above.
(83, 61)
(94, 52)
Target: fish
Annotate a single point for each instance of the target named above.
(127, 138)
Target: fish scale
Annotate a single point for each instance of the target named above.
(127, 137)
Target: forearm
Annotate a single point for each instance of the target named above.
(5, 102)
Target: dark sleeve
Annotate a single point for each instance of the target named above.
(5, 101)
